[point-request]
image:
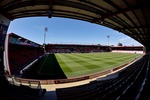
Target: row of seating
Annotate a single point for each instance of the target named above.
(145, 93)
(139, 90)
(21, 92)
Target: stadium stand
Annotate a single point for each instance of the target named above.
(22, 92)
(128, 49)
(21, 54)
(76, 48)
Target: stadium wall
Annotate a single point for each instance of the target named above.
(128, 49)
(4, 23)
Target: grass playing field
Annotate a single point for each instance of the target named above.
(55, 66)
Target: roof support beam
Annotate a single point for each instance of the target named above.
(7, 15)
(108, 15)
(50, 10)
(33, 2)
(124, 13)
(128, 17)
(133, 27)
(134, 15)
(4, 13)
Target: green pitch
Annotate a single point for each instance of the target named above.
(77, 64)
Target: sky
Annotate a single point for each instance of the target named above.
(67, 31)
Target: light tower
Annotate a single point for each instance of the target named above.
(108, 39)
(46, 29)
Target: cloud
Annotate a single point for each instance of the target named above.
(116, 32)
(39, 27)
(124, 39)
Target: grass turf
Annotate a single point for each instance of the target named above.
(77, 64)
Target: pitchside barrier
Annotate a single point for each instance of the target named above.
(27, 88)
(36, 83)
(20, 81)
(89, 76)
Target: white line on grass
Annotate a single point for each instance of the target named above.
(42, 64)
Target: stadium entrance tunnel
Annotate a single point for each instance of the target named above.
(129, 17)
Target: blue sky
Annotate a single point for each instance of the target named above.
(67, 31)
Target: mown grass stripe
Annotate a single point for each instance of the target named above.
(72, 64)
(63, 65)
(86, 63)
(102, 61)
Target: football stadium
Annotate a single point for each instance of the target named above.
(31, 71)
